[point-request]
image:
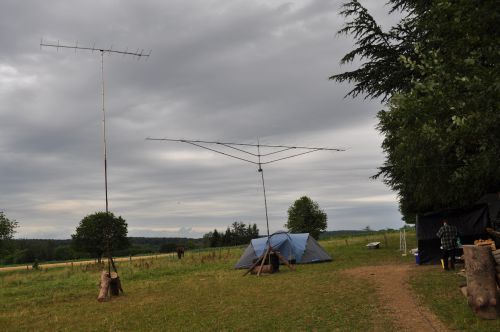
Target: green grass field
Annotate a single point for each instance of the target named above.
(202, 292)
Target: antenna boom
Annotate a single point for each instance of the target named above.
(93, 48)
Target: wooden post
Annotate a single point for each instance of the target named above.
(480, 270)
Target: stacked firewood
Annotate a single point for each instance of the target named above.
(488, 242)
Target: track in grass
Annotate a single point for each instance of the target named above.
(396, 296)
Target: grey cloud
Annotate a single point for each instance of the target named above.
(219, 70)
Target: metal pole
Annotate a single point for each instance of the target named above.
(104, 134)
(265, 198)
(105, 161)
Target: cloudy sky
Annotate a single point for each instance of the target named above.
(237, 71)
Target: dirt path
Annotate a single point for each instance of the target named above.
(396, 296)
(50, 265)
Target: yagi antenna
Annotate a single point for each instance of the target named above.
(109, 50)
(280, 152)
(102, 52)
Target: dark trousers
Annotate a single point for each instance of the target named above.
(449, 253)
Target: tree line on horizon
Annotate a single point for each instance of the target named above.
(103, 233)
(236, 234)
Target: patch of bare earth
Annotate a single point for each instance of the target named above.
(397, 298)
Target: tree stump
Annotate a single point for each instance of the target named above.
(480, 271)
(115, 285)
(104, 287)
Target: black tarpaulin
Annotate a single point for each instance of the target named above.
(471, 224)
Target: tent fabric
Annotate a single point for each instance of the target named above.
(302, 248)
(471, 224)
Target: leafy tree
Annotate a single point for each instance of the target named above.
(7, 230)
(99, 232)
(305, 216)
(442, 87)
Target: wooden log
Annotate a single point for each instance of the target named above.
(480, 271)
(104, 287)
(266, 268)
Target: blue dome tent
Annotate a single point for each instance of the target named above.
(300, 248)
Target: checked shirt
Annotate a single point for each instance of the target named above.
(448, 235)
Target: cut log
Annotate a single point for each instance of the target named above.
(266, 268)
(480, 271)
(104, 287)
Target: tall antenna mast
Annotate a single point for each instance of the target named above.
(278, 154)
(102, 51)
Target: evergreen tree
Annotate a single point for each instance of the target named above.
(438, 71)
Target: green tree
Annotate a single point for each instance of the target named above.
(305, 216)
(442, 90)
(99, 232)
(7, 230)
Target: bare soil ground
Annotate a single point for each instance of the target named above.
(397, 298)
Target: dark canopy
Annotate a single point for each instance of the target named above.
(471, 224)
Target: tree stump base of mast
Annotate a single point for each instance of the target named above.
(115, 285)
(109, 286)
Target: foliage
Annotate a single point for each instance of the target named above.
(441, 129)
(7, 230)
(7, 227)
(305, 216)
(382, 73)
(238, 233)
(99, 233)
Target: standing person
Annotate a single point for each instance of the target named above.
(448, 235)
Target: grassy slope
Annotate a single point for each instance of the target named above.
(203, 292)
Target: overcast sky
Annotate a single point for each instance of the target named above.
(234, 71)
